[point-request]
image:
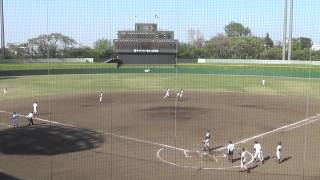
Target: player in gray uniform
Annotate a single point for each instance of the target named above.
(15, 120)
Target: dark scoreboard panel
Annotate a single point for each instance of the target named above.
(165, 46)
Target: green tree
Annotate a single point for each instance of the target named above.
(268, 41)
(248, 47)
(103, 48)
(218, 47)
(236, 29)
(184, 51)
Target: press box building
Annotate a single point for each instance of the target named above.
(146, 45)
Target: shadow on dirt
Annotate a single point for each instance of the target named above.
(5, 176)
(44, 140)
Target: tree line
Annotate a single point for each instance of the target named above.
(237, 42)
(57, 45)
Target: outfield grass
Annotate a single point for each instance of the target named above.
(35, 86)
(302, 71)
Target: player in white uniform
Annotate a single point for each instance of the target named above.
(5, 91)
(35, 105)
(243, 160)
(279, 152)
(30, 118)
(257, 152)
(206, 144)
(100, 97)
(179, 94)
(230, 149)
(15, 120)
(167, 93)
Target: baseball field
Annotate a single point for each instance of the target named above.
(136, 134)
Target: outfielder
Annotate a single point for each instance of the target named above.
(35, 105)
(257, 152)
(167, 93)
(15, 120)
(230, 149)
(279, 152)
(30, 118)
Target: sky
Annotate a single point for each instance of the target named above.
(89, 20)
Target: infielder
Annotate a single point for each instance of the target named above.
(257, 152)
(243, 160)
(35, 105)
(167, 93)
(15, 120)
(100, 97)
(279, 152)
(30, 118)
(206, 145)
(230, 149)
(179, 94)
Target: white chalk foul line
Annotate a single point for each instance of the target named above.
(106, 133)
(286, 128)
(39, 119)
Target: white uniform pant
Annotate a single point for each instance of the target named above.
(278, 153)
(15, 123)
(258, 155)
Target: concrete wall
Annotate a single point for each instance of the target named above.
(255, 61)
(50, 60)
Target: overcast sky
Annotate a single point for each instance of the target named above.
(88, 20)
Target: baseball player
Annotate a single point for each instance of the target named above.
(257, 152)
(243, 160)
(15, 120)
(167, 93)
(279, 152)
(230, 149)
(5, 91)
(179, 94)
(100, 97)
(206, 145)
(35, 105)
(30, 118)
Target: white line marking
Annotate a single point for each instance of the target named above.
(44, 120)
(298, 124)
(197, 167)
(289, 126)
(106, 133)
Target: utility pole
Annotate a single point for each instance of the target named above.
(290, 30)
(2, 29)
(284, 40)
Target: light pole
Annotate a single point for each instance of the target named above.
(2, 29)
